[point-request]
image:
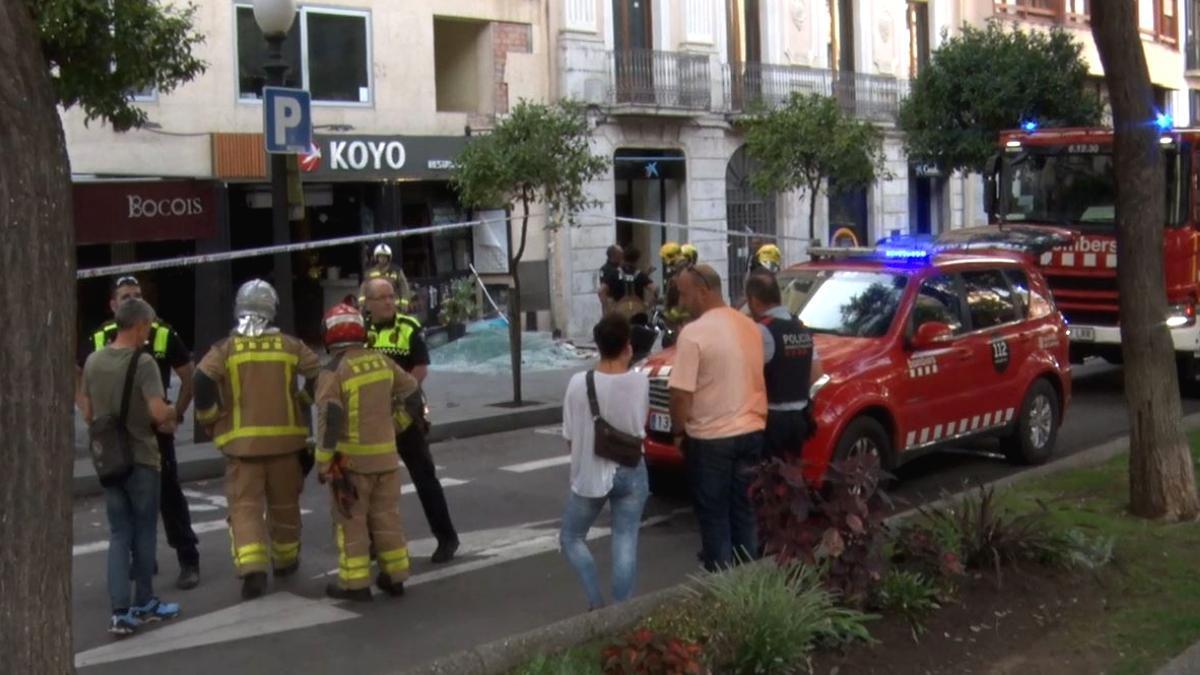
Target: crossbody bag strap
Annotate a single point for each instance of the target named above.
(128, 390)
(591, 392)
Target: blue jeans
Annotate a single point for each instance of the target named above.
(133, 523)
(719, 474)
(631, 488)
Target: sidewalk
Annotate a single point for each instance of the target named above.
(461, 405)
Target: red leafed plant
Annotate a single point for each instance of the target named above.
(838, 526)
(645, 652)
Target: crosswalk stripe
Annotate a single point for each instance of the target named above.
(537, 465)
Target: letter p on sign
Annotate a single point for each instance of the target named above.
(287, 120)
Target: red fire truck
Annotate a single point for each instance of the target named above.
(1064, 178)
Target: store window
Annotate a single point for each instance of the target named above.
(328, 52)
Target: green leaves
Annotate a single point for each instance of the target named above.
(100, 51)
(539, 153)
(984, 81)
(810, 140)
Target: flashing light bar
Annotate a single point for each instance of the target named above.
(1029, 125)
(1164, 121)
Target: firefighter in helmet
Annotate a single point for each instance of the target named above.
(358, 394)
(247, 396)
(675, 259)
(767, 258)
(382, 268)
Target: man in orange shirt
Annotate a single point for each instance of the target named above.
(718, 414)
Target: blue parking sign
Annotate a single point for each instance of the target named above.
(287, 120)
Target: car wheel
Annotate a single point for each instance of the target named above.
(1032, 442)
(866, 436)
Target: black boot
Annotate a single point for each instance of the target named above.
(189, 577)
(338, 593)
(393, 588)
(254, 585)
(287, 571)
(445, 551)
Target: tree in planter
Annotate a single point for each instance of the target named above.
(984, 81)
(1161, 478)
(55, 52)
(459, 307)
(537, 154)
(809, 143)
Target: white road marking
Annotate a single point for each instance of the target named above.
(199, 528)
(409, 488)
(549, 431)
(537, 465)
(274, 613)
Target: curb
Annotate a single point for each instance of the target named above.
(500, 656)
(202, 461)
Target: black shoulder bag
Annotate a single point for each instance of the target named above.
(111, 443)
(611, 443)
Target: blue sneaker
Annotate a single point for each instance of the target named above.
(155, 610)
(123, 624)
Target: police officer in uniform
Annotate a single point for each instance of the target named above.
(358, 393)
(790, 367)
(248, 395)
(171, 354)
(384, 269)
(400, 337)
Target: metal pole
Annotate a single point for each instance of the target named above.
(281, 230)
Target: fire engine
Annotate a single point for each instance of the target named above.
(922, 347)
(1064, 178)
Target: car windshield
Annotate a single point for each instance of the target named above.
(1066, 186)
(849, 303)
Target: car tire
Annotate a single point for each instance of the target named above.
(1032, 442)
(867, 434)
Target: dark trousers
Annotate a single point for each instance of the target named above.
(786, 432)
(177, 520)
(720, 472)
(414, 452)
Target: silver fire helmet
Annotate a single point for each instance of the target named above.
(254, 307)
(383, 251)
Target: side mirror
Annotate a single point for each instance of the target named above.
(931, 334)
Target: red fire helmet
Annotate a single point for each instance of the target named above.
(343, 326)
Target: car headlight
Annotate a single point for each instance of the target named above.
(818, 385)
(1179, 316)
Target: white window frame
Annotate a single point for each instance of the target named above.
(302, 13)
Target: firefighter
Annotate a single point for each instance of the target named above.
(790, 366)
(676, 258)
(358, 394)
(767, 258)
(628, 291)
(400, 337)
(170, 354)
(248, 398)
(384, 269)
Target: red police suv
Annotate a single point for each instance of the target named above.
(923, 344)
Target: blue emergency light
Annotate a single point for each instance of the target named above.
(1164, 121)
(1029, 125)
(906, 248)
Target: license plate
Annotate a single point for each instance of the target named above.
(660, 422)
(1083, 333)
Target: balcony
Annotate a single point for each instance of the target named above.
(645, 78)
(752, 86)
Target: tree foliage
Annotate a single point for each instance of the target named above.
(986, 80)
(539, 153)
(809, 144)
(100, 51)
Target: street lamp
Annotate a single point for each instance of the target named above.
(274, 19)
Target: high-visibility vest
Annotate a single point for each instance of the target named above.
(160, 338)
(396, 339)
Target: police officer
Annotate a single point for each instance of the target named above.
(790, 367)
(358, 393)
(247, 395)
(400, 337)
(384, 269)
(171, 354)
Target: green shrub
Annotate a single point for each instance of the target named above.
(908, 594)
(771, 616)
(579, 661)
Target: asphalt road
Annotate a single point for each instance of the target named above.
(506, 493)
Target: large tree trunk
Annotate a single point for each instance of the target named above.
(37, 254)
(514, 303)
(1161, 480)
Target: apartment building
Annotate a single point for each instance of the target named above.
(398, 87)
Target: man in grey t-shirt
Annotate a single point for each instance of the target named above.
(132, 505)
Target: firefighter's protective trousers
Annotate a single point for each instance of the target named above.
(263, 534)
(375, 516)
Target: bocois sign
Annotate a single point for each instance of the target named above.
(113, 212)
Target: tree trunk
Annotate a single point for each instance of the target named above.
(1161, 480)
(812, 214)
(37, 254)
(514, 303)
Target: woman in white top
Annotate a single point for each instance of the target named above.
(624, 402)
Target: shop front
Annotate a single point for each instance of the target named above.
(351, 185)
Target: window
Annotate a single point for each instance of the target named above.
(938, 300)
(463, 65)
(844, 302)
(990, 300)
(327, 52)
(1034, 305)
(146, 94)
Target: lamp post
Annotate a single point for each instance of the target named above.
(274, 19)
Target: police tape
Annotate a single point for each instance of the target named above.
(223, 256)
